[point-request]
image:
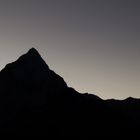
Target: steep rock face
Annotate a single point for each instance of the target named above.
(25, 85)
(34, 100)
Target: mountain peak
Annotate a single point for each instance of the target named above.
(31, 66)
(33, 51)
(32, 60)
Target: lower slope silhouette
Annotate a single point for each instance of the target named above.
(35, 101)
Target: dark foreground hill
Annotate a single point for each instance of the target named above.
(34, 100)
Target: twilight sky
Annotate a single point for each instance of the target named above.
(93, 44)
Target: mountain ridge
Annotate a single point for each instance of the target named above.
(34, 100)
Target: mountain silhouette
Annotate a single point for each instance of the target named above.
(35, 101)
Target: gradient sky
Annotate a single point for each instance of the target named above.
(93, 44)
